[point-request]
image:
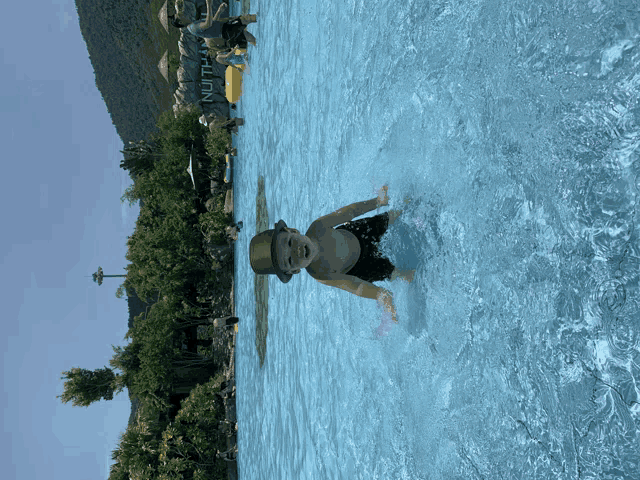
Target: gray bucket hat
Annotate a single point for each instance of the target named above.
(262, 253)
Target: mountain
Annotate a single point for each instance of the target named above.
(126, 41)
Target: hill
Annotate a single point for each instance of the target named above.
(125, 41)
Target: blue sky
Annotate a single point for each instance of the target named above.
(61, 218)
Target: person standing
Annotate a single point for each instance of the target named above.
(233, 30)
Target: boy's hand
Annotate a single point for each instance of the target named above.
(383, 198)
(385, 300)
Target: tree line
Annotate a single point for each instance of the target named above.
(168, 363)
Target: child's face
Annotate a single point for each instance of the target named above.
(295, 251)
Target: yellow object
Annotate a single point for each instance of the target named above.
(233, 79)
(235, 327)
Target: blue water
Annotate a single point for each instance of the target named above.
(514, 128)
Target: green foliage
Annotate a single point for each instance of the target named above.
(166, 250)
(189, 444)
(153, 332)
(136, 455)
(169, 266)
(214, 223)
(218, 142)
(156, 363)
(185, 448)
(121, 291)
(83, 387)
(127, 360)
(129, 195)
(118, 471)
(121, 39)
(173, 61)
(138, 158)
(181, 130)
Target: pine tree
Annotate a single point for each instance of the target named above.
(83, 387)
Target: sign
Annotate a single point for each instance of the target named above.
(206, 77)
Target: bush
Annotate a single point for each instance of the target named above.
(214, 223)
(217, 143)
(189, 444)
(181, 131)
(173, 62)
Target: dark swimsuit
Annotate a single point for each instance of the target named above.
(371, 265)
(233, 33)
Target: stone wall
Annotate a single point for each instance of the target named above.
(200, 78)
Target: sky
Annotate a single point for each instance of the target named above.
(62, 218)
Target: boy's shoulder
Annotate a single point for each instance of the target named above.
(317, 229)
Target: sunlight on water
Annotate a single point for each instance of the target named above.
(514, 129)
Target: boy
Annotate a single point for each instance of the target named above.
(335, 251)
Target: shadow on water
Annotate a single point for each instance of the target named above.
(413, 242)
(261, 282)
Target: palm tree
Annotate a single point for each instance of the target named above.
(99, 276)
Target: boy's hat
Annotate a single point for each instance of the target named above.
(263, 255)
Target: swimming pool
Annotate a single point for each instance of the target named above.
(514, 127)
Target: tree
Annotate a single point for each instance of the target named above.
(189, 443)
(117, 471)
(127, 361)
(120, 291)
(99, 276)
(138, 158)
(137, 455)
(83, 387)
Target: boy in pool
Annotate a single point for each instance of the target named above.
(335, 251)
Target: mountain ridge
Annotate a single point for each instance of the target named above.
(125, 42)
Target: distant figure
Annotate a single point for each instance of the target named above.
(229, 455)
(226, 391)
(220, 121)
(228, 428)
(233, 30)
(226, 322)
(232, 233)
(231, 59)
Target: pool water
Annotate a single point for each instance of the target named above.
(513, 128)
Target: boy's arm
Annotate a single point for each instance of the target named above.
(362, 288)
(348, 213)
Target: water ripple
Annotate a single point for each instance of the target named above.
(611, 295)
(517, 124)
(622, 336)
